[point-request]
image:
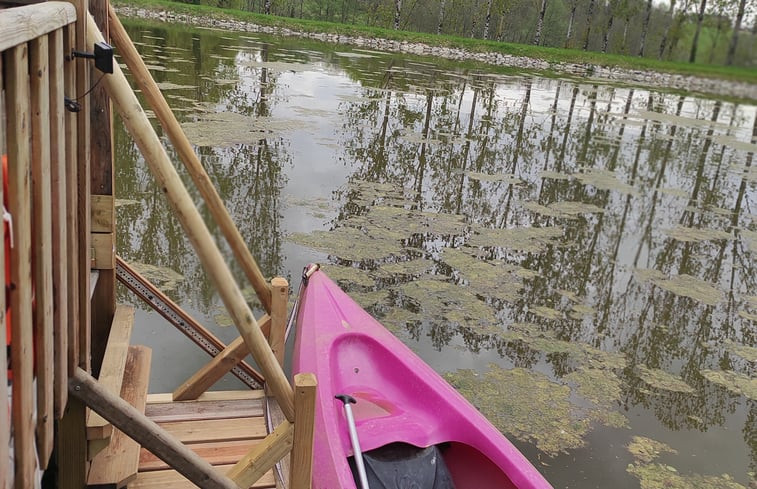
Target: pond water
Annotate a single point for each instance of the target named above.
(576, 258)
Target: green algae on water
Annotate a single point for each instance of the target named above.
(348, 277)
(748, 353)
(224, 129)
(350, 244)
(646, 450)
(442, 301)
(661, 380)
(526, 239)
(564, 209)
(694, 235)
(604, 180)
(683, 285)
(165, 278)
(735, 382)
(659, 476)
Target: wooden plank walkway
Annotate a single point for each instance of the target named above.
(221, 427)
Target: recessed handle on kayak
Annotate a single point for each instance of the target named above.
(347, 400)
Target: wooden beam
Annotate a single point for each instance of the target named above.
(301, 465)
(219, 366)
(146, 432)
(263, 456)
(103, 253)
(22, 24)
(194, 410)
(18, 113)
(160, 479)
(279, 299)
(72, 446)
(210, 256)
(117, 465)
(167, 397)
(72, 223)
(103, 213)
(42, 260)
(59, 232)
(184, 148)
(113, 367)
(217, 430)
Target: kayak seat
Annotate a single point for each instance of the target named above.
(404, 466)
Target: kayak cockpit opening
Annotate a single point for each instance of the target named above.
(401, 466)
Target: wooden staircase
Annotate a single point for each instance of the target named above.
(125, 371)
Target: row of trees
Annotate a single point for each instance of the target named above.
(704, 31)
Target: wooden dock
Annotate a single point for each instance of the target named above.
(221, 427)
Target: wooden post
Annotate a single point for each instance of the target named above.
(279, 298)
(59, 232)
(146, 432)
(207, 251)
(101, 184)
(183, 147)
(42, 260)
(18, 111)
(301, 466)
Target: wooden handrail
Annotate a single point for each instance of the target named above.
(183, 147)
(22, 24)
(170, 182)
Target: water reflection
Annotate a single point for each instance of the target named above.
(517, 231)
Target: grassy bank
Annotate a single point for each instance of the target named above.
(548, 54)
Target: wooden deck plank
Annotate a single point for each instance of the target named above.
(195, 410)
(215, 453)
(212, 430)
(167, 397)
(117, 464)
(159, 479)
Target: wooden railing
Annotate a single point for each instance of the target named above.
(49, 269)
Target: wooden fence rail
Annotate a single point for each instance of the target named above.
(40, 197)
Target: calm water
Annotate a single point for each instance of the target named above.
(576, 258)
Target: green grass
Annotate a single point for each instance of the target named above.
(548, 54)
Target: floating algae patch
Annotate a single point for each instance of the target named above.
(524, 404)
(735, 382)
(497, 280)
(604, 180)
(647, 450)
(566, 209)
(660, 476)
(223, 320)
(126, 202)
(398, 319)
(174, 86)
(277, 66)
(348, 276)
(350, 244)
(165, 278)
(579, 311)
(687, 286)
(661, 380)
(693, 235)
(526, 239)
(223, 129)
(508, 178)
(367, 193)
(442, 301)
(748, 353)
(748, 315)
(751, 238)
(553, 175)
(598, 386)
(546, 312)
(406, 268)
(370, 299)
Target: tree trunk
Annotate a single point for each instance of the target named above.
(735, 38)
(700, 17)
(624, 45)
(441, 17)
(645, 28)
(397, 10)
(570, 22)
(473, 29)
(488, 19)
(540, 22)
(267, 7)
(606, 40)
(589, 15)
(667, 29)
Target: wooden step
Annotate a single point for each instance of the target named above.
(117, 464)
(161, 479)
(112, 370)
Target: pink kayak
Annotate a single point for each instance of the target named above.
(414, 429)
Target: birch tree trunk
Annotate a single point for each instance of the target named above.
(695, 41)
(645, 28)
(488, 19)
(540, 22)
(735, 38)
(441, 17)
(589, 15)
(665, 34)
(570, 22)
(397, 10)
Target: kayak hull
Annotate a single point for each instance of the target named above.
(399, 399)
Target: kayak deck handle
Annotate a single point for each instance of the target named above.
(346, 398)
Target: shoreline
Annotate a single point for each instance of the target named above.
(695, 85)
